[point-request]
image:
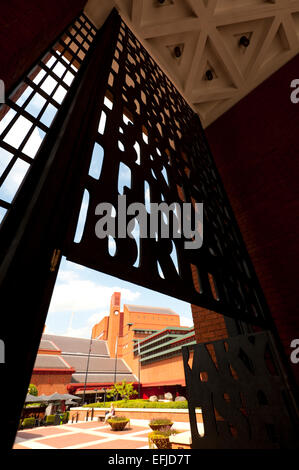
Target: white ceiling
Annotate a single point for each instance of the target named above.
(208, 34)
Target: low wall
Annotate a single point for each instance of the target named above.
(176, 415)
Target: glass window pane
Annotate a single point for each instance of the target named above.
(2, 213)
(21, 100)
(69, 77)
(34, 142)
(18, 132)
(39, 76)
(50, 61)
(48, 115)
(49, 85)
(35, 105)
(5, 158)
(59, 94)
(13, 180)
(59, 69)
(5, 120)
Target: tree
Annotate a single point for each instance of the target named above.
(32, 390)
(124, 389)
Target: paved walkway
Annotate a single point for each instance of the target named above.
(86, 435)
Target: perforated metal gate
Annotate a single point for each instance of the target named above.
(122, 107)
(241, 388)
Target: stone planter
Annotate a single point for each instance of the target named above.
(159, 440)
(163, 425)
(119, 423)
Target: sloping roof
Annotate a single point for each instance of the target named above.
(49, 345)
(102, 378)
(71, 345)
(148, 309)
(50, 361)
(96, 364)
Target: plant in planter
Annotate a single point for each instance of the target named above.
(118, 423)
(160, 424)
(50, 420)
(159, 440)
(28, 423)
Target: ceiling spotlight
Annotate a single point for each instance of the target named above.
(244, 41)
(209, 75)
(177, 51)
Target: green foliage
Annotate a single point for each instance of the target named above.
(118, 419)
(65, 416)
(162, 422)
(35, 405)
(160, 439)
(124, 389)
(118, 423)
(32, 390)
(50, 419)
(140, 404)
(28, 423)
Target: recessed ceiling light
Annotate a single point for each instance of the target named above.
(244, 41)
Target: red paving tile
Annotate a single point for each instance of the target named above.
(75, 434)
(130, 430)
(117, 444)
(87, 425)
(28, 435)
(43, 431)
(69, 440)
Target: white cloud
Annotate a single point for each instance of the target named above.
(186, 321)
(84, 331)
(76, 294)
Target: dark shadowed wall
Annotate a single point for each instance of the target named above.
(256, 148)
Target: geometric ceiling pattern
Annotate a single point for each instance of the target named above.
(214, 51)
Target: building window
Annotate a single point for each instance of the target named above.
(27, 115)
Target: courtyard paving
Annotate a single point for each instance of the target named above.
(85, 435)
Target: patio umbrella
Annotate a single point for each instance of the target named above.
(42, 398)
(70, 402)
(68, 396)
(56, 397)
(30, 398)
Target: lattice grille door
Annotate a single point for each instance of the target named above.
(147, 144)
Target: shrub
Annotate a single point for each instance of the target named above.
(28, 423)
(32, 389)
(140, 404)
(124, 389)
(160, 424)
(50, 419)
(118, 423)
(65, 416)
(159, 439)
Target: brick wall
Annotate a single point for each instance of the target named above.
(51, 382)
(255, 145)
(27, 29)
(208, 325)
(176, 416)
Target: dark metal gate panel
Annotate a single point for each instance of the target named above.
(244, 396)
(145, 127)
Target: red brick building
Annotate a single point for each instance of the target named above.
(138, 344)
